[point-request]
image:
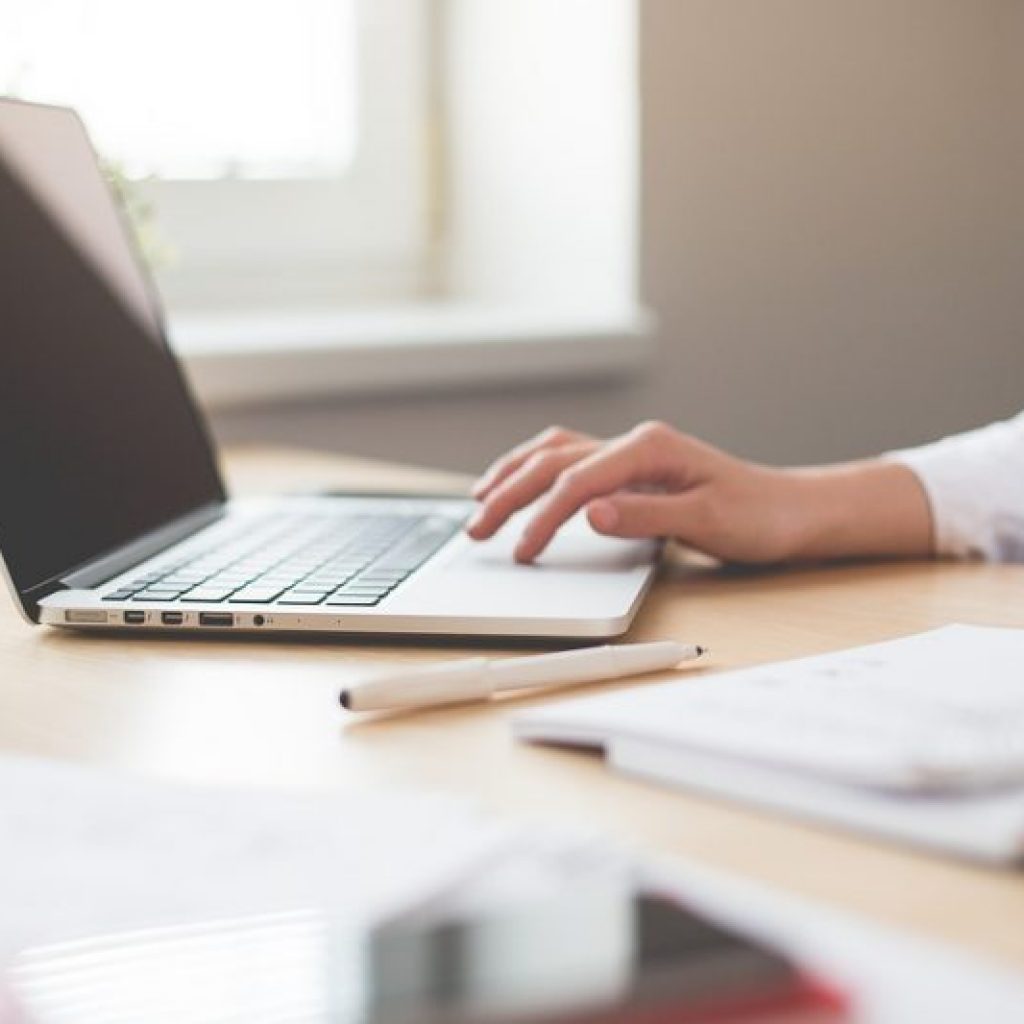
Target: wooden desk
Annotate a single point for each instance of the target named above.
(266, 712)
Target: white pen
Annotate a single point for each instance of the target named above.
(455, 682)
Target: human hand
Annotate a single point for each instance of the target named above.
(650, 482)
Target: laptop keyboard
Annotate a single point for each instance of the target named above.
(334, 560)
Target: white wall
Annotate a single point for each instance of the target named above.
(833, 239)
(541, 162)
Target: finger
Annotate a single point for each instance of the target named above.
(525, 485)
(500, 469)
(649, 515)
(639, 457)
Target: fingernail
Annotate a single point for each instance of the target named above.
(523, 554)
(475, 523)
(604, 515)
(524, 549)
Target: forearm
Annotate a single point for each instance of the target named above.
(861, 509)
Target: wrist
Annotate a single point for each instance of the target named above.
(862, 509)
(809, 513)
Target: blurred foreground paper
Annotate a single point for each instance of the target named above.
(85, 852)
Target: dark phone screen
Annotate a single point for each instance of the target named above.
(99, 440)
(597, 957)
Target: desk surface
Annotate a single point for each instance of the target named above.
(266, 712)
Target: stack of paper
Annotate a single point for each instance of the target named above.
(920, 739)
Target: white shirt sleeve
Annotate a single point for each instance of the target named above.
(975, 484)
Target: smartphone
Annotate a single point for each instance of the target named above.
(646, 959)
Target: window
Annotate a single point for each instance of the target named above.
(367, 195)
(282, 142)
(286, 117)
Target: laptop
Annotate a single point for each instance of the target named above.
(113, 514)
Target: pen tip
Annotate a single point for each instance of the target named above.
(345, 700)
(701, 651)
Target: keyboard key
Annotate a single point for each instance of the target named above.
(158, 595)
(338, 575)
(118, 595)
(300, 599)
(354, 600)
(256, 594)
(211, 595)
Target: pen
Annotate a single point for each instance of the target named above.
(479, 678)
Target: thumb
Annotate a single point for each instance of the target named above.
(643, 515)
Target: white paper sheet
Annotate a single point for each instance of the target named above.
(940, 711)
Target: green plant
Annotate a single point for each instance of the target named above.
(141, 214)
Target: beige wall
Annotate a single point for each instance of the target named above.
(833, 239)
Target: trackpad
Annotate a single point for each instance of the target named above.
(582, 577)
(575, 548)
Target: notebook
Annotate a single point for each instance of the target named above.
(919, 739)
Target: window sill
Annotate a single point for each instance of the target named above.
(237, 360)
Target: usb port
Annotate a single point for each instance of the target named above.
(216, 619)
(172, 618)
(134, 618)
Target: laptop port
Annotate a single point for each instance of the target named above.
(134, 618)
(216, 619)
(172, 618)
(80, 617)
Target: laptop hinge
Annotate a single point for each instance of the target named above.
(99, 570)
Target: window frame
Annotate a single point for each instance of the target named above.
(548, 290)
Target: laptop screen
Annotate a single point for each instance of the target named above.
(100, 441)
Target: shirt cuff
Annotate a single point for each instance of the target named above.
(975, 486)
